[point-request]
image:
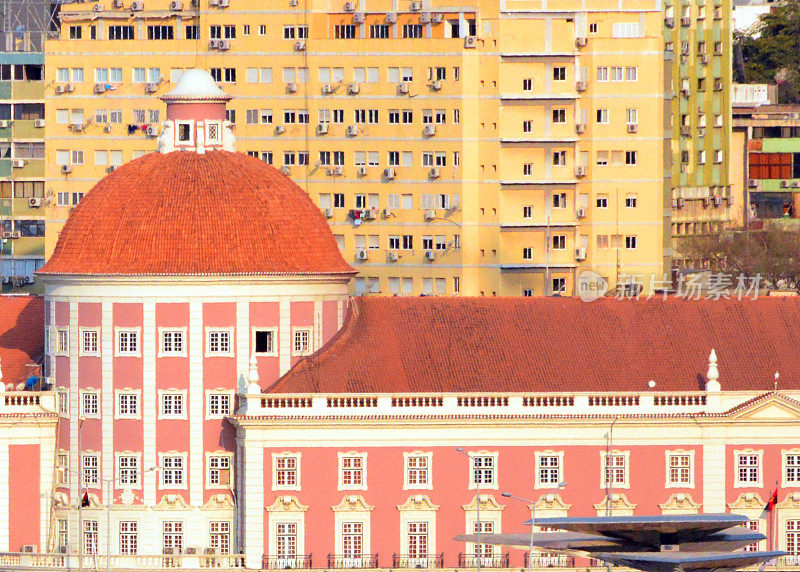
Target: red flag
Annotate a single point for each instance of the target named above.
(85, 500)
(773, 499)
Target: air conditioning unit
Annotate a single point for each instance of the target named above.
(429, 130)
(669, 22)
(391, 18)
(425, 18)
(580, 171)
(38, 123)
(111, 168)
(34, 202)
(66, 169)
(328, 213)
(438, 18)
(471, 42)
(359, 18)
(291, 87)
(434, 173)
(686, 130)
(349, 6)
(717, 201)
(213, 2)
(99, 88)
(436, 85)
(322, 128)
(60, 89)
(580, 41)
(327, 88)
(300, 46)
(352, 130)
(386, 213)
(3, 123)
(69, 87)
(214, 44)
(224, 3)
(752, 183)
(402, 87)
(580, 253)
(338, 171)
(280, 130)
(704, 59)
(581, 85)
(97, 7)
(706, 202)
(430, 255)
(28, 548)
(353, 88)
(286, 170)
(718, 85)
(784, 184)
(176, 5)
(633, 127)
(152, 130)
(580, 213)
(392, 256)
(224, 45)
(389, 174)
(686, 22)
(137, 6)
(76, 127)
(580, 128)
(680, 202)
(369, 214)
(18, 163)
(362, 171)
(117, 4)
(430, 214)
(362, 254)
(150, 87)
(415, 6)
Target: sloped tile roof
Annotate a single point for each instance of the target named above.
(21, 337)
(553, 345)
(187, 213)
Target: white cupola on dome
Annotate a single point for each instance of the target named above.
(196, 116)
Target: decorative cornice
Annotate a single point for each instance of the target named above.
(418, 502)
(220, 501)
(352, 503)
(747, 500)
(551, 501)
(618, 502)
(680, 502)
(488, 503)
(171, 502)
(286, 503)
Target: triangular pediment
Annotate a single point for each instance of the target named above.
(770, 406)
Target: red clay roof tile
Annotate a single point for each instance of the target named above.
(21, 337)
(186, 213)
(553, 345)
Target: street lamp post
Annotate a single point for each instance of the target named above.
(477, 503)
(81, 419)
(560, 485)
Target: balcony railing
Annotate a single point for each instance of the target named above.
(554, 561)
(486, 561)
(286, 562)
(343, 561)
(32, 561)
(418, 560)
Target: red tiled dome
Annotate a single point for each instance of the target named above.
(189, 213)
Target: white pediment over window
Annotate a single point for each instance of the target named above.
(488, 503)
(352, 503)
(620, 506)
(769, 406)
(747, 501)
(680, 503)
(418, 502)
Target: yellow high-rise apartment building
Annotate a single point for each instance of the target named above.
(493, 148)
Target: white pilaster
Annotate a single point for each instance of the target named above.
(242, 337)
(5, 517)
(252, 497)
(149, 399)
(47, 465)
(196, 343)
(317, 324)
(107, 419)
(714, 467)
(74, 414)
(285, 336)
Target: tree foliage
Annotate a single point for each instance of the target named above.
(772, 252)
(771, 51)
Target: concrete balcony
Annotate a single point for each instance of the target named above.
(12, 402)
(27, 90)
(26, 129)
(35, 561)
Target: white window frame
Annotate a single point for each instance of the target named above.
(90, 391)
(81, 351)
(117, 334)
(274, 331)
(185, 458)
(538, 481)
(62, 401)
(310, 349)
(626, 484)
(297, 460)
(225, 454)
(118, 393)
(84, 465)
(161, 393)
(231, 342)
(424, 454)
(161, 352)
(57, 342)
(350, 454)
(117, 467)
(748, 484)
(213, 392)
(484, 486)
(784, 481)
(679, 452)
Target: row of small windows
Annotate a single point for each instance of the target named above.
(172, 404)
(404, 285)
(559, 159)
(360, 116)
(218, 342)
(394, 201)
(361, 158)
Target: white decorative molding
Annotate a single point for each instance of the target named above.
(488, 503)
(747, 501)
(680, 503)
(620, 505)
(220, 501)
(286, 503)
(550, 502)
(352, 503)
(172, 502)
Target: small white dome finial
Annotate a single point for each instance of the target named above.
(252, 376)
(712, 375)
